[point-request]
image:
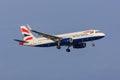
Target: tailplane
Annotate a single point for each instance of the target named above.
(28, 36)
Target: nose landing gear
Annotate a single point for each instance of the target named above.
(93, 44)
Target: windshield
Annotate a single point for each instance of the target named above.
(97, 31)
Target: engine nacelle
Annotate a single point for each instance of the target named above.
(79, 45)
(66, 41)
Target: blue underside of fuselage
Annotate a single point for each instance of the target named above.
(74, 41)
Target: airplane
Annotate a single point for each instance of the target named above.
(76, 39)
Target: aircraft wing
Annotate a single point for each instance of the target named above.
(51, 37)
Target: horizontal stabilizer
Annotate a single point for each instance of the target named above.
(20, 41)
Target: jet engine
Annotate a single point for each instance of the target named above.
(79, 45)
(66, 41)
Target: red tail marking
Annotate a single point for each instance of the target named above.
(21, 43)
(24, 30)
(29, 38)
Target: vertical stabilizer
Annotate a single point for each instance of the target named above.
(28, 36)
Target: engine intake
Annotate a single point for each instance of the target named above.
(66, 41)
(79, 45)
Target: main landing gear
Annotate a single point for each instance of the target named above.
(68, 49)
(58, 45)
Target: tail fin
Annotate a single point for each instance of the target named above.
(28, 36)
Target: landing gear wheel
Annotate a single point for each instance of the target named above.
(67, 50)
(58, 47)
(93, 44)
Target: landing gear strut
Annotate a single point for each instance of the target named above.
(68, 50)
(58, 45)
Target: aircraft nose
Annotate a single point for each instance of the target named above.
(103, 34)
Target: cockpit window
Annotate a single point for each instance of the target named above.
(97, 31)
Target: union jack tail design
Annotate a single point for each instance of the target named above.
(28, 36)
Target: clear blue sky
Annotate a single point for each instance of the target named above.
(101, 62)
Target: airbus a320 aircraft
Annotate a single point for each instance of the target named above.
(76, 39)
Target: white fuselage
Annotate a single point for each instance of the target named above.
(88, 35)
